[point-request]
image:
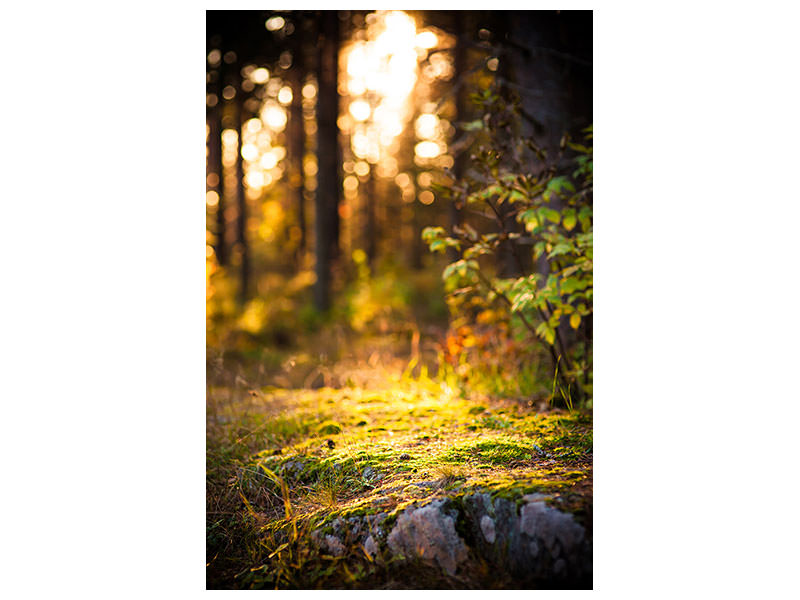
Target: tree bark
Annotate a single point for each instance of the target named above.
(460, 161)
(370, 225)
(241, 217)
(328, 157)
(215, 166)
(296, 148)
(510, 263)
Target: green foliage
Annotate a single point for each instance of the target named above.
(542, 210)
(376, 299)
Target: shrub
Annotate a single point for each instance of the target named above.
(534, 266)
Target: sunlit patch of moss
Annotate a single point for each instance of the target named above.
(391, 448)
(329, 428)
(492, 422)
(499, 451)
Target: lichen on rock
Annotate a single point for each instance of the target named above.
(429, 533)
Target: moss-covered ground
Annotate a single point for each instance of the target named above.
(282, 462)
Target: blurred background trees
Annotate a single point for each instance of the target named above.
(335, 137)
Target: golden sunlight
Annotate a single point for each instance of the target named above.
(360, 110)
(381, 74)
(274, 116)
(275, 23)
(260, 75)
(427, 149)
(426, 40)
(285, 95)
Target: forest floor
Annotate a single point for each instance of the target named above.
(319, 469)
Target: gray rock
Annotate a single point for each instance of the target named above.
(487, 527)
(328, 543)
(534, 541)
(529, 540)
(371, 546)
(560, 567)
(337, 525)
(334, 545)
(428, 533)
(551, 526)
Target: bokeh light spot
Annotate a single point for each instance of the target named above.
(275, 23)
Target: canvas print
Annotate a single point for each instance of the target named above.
(399, 289)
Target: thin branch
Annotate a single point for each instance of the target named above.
(544, 315)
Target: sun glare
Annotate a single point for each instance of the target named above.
(274, 116)
(426, 40)
(360, 110)
(385, 78)
(427, 126)
(381, 74)
(382, 67)
(275, 23)
(260, 75)
(427, 149)
(285, 95)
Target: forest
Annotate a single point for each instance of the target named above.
(399, 299)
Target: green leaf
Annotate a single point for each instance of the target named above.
(521, 301)
(550, 214)
(473, 125)
(585, 217)
(546, 332)
(559, 249)
(579, 147)
(475, 251)
(528, 217)
(450, 270)
(556, 184)
(517, 196)
(574, 284)
(431, 233)
(488, 193)
(570, 219)
(437, 245)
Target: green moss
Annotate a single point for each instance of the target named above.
(453, 448)
(494, 452)
(492, 422)
(329, 428)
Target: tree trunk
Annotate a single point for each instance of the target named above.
(241, 220)
(215, 166)
(328, 158)
(463, 30)
(296, 148)
(511, 261)
(370, 225)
